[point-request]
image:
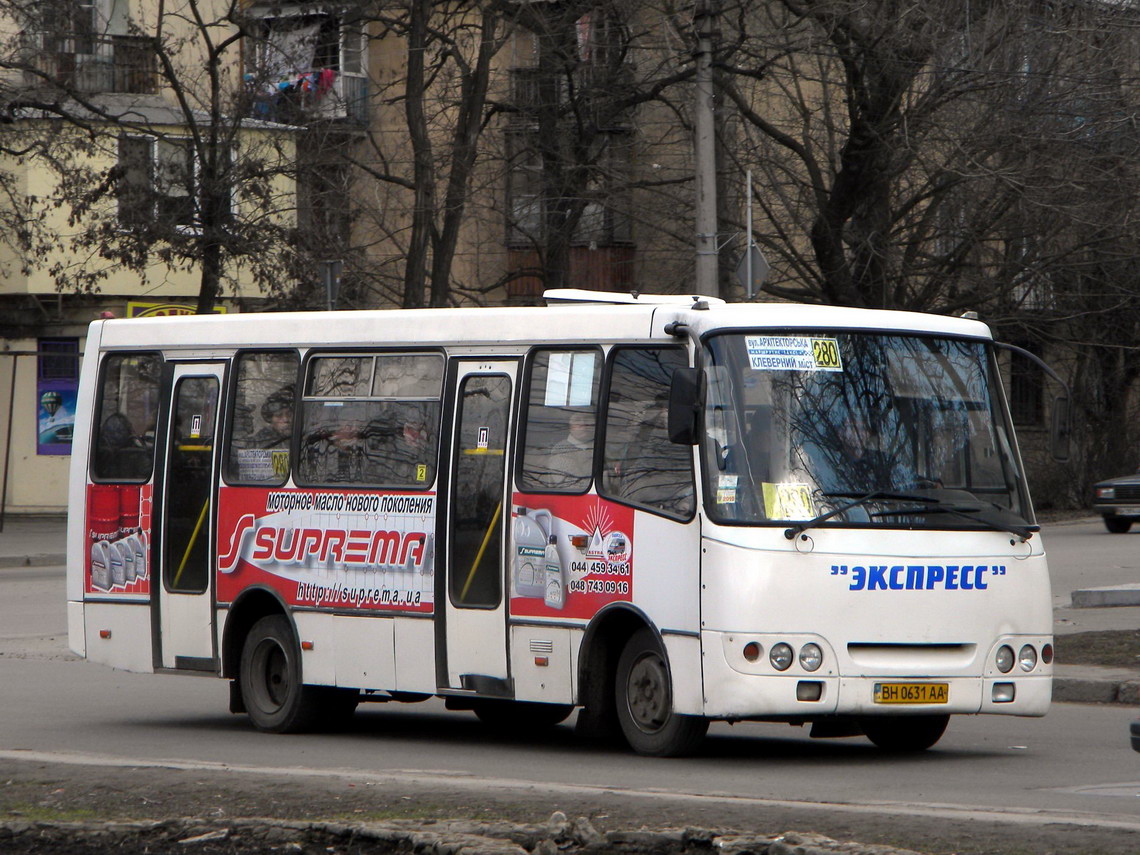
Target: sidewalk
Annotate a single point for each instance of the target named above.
(40, 542)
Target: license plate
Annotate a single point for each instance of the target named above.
(912, 693)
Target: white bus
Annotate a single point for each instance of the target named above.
(659, 511)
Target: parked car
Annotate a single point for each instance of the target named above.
(1118, 500)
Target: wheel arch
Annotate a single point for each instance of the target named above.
(605, 637)
(251, 606)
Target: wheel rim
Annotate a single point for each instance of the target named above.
(271, 665)
(647, 693)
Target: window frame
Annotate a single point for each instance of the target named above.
(227, 476)
(524, 416)
(301, 417)
(602, 439)
(150, 198)
(97, 419)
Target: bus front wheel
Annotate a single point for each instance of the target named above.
(645, 702)
(271, 688)
(903, 734)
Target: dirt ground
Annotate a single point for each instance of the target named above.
(50, 809)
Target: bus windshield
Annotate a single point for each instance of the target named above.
(859, 429)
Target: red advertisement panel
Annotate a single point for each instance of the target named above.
(329, 548)
(118, 539)
(570, 555)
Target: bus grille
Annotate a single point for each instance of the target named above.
(924, 656)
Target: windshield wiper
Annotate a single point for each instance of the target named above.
(993, 517)
(857, 500)
(931, 505)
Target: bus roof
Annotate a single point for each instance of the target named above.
(597, 318)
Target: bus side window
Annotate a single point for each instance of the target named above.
(127, 414)
(371, 420)
(561, 417)
(261, 431)
(641, 466)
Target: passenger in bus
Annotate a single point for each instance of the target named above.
(572, 457)
(277, 411)
(411, 451)
(122, 453)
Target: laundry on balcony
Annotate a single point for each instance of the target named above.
(288, 99)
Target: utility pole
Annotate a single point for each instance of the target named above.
(704, 154)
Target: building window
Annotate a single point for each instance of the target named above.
(59, 359)
(159, 182)
(1026, 388)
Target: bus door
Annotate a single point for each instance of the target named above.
(186, 637)
(475, 616)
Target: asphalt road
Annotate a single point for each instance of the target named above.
(1069, 778)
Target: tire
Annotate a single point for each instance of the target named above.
(271, 689)
(1117, 525)
(644, 696)
(905, 734)
(516, 716)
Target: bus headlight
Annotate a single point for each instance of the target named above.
(811, 657)
(780, 656)
(1004, 658)
(1027, 658)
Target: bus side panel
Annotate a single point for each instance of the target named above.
(77, 484)
(542, 663)
(118, 634)
(415, 655)
(365, 652)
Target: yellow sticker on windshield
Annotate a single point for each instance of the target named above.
(788, 502)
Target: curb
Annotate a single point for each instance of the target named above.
(1114, 595)
(1074, 690)
(42, 559)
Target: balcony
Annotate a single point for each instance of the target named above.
(314, 96)
(91, 64)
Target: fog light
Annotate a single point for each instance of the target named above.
(1027, 658)
(811, 657)
(809, 690)
(781, 657)
(1003, 693)
(1047, 654)
(1004, 659)
(752, 651)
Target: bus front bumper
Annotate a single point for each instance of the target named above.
(758, 691)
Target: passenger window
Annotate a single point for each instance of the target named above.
(640, 465)
(262, 430)
(127, 415)
(558, 444)
(371, 420)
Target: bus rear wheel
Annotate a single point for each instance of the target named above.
(271, 688)
(645, 702)
(904, 734)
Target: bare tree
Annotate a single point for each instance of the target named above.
(153, 143)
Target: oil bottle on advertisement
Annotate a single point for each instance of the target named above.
(531, 537)
(555, 594)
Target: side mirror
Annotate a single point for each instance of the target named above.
(686, 400)
(1061, 431)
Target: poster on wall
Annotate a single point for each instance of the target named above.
(55, 415)
(137, 309)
